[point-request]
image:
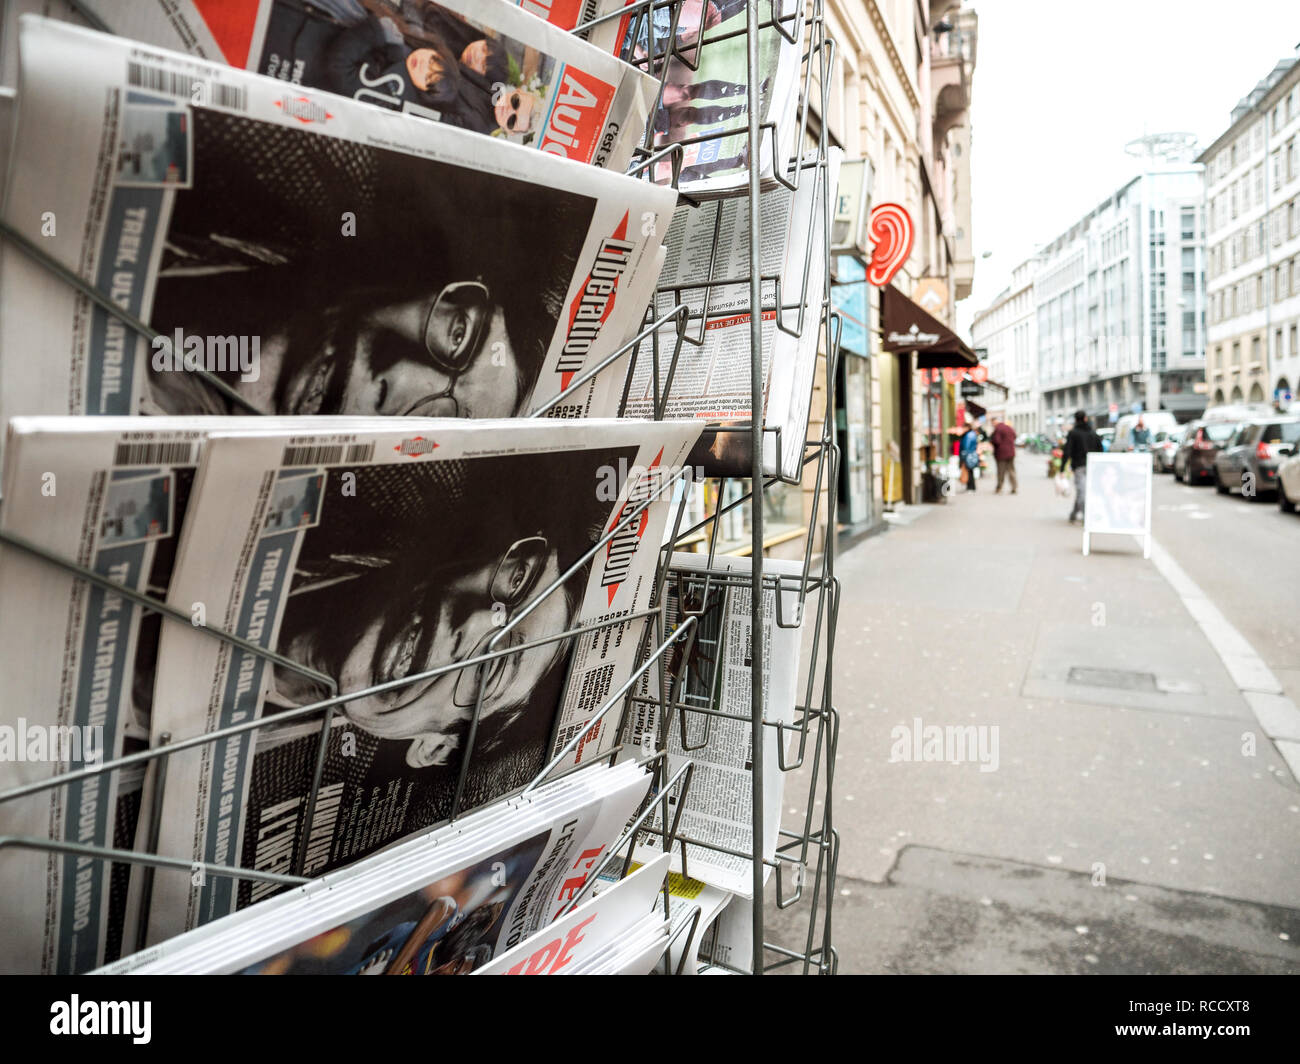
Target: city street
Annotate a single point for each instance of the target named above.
(1124, 809)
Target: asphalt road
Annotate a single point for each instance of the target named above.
(1245, 555)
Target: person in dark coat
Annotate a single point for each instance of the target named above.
(1081, 442)
(1004, 453)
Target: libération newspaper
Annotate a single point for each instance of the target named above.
(711, 379)
(488, 66)
(110, 494)
(376, 557)
(444, 903)
(316, 254)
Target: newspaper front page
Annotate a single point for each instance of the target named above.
(487, 66)
(711, 380)
(374, 556)
(110, 494)
(317, 254)
(718, 808)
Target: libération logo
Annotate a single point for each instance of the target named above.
(592, 307)
(77, 1017)
(622, 548)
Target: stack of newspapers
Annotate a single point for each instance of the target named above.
(447, 902)
(280, 285)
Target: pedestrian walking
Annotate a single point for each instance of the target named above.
(1081, 442)
(970, 455)
(1004, 453)
(1141, 436)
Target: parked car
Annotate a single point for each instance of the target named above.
(1194, 459)
(1163, 448)
(1288, 476)
(1154, 420)
(1253, 453)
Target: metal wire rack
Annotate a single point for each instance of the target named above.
(803, 869)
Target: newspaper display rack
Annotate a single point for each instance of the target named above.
(785, 924)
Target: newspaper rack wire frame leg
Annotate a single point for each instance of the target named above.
(815, 842)
(817, 714)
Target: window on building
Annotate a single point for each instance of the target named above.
(1295, 340)
(1254, 349)
(1236, 353)
(1259, 290)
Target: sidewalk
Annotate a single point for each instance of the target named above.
(1123, 828)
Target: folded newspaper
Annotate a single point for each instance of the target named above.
(604, 931)
(718, 676)
(444, 903)
(692, 909)
(316, 254)
(705, 101)
(484, 65)
(111, 494)
(711, 379)
(376, 557)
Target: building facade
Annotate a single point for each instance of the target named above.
(1252, 197)
(900, 97)
(1120, 303)
(1007, 330)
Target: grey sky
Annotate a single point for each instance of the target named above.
(1060, 88)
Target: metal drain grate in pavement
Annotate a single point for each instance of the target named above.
(1118, 679)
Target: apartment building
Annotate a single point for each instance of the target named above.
(1252, 197)
(1120, 303)
(1007, 330)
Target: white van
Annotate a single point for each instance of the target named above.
(1156, 422)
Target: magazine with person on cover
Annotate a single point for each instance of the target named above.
(489, 66)
(372, 557)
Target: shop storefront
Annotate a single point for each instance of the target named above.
(853, 399)
(907, 330)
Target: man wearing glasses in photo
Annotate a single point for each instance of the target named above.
(460, 559)
(442, 303)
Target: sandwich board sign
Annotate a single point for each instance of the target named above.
(1117, 499)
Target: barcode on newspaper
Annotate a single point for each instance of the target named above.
(202, 91)
(328, 454)
(163, 454)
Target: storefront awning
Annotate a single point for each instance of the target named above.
(905, 326)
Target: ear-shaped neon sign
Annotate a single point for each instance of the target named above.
(892, 232)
